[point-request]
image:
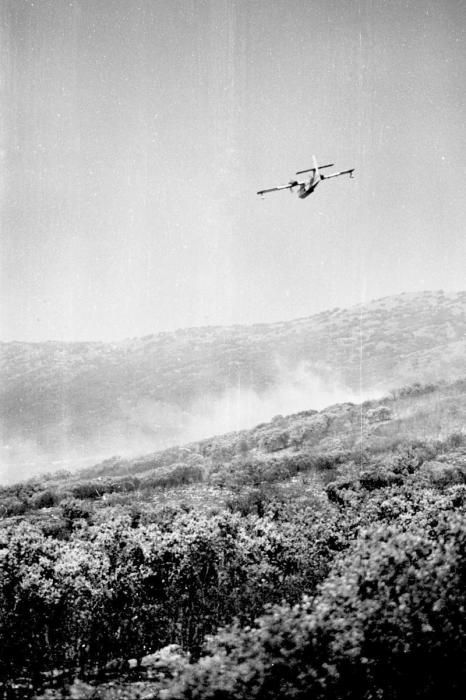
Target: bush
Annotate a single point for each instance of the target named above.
(88, 489)
(177, 475)
(75, 509)
(388, 623)
(443, 474)
(252, 500)
(43, 499)
(378, 477)
(455, 440)
(121, 588)
(11, 505)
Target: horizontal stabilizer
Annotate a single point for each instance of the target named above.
(299, 172)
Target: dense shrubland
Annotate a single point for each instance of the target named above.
(114, 577)
(388, 622)
(118, 589)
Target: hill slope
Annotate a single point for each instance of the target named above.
(77, 400)
(115, 574)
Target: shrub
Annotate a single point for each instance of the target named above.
(252, 500)
(121, 588)
(75, 509)
(178, 475)
(378, 477)
(443, 474)
(43, 499)
(274, 441)
(455, 440)
(11, 505)
(87, 489)
(388, 623)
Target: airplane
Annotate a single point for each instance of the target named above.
(307, 187)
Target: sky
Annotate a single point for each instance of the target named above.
(136, 133)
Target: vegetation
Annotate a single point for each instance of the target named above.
(320, 555)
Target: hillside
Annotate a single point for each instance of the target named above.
(311, 551)
(112, 576)
(322, 445)
(85, 401)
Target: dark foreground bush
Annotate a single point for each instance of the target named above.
(388, 623)
(116, 591)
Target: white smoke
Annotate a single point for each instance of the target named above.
(147, 426)
(241, 407)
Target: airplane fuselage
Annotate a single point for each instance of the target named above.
(307, 189)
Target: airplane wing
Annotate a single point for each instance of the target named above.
(342, 172)
(281, 187)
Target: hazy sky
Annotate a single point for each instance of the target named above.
(136, 133)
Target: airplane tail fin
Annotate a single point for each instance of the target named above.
(317, 177)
